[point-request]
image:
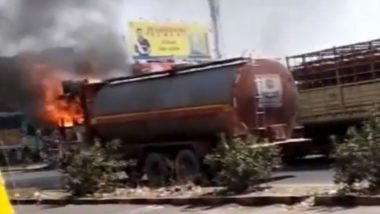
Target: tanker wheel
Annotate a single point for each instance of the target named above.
(187, 166)
(157, 169)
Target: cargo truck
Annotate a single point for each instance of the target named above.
(338, 88)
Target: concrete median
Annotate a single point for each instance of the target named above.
(286, 195)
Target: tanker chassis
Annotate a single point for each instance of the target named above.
(176, 116)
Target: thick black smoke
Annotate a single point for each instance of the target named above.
(86, 28)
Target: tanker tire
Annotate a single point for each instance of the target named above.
(157, 169)
(187, 167)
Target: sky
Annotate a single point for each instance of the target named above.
(279, 28)
(271, 28)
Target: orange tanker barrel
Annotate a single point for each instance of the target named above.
(265, 99)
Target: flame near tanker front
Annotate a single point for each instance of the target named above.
(55, 109)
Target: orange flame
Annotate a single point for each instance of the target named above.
(63, 112)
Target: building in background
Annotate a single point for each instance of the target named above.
(17, 138)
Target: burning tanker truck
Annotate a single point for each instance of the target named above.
(178, 115)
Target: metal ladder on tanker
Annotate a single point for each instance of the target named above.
(260, 110)
(260, 115)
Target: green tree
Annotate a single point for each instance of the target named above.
(240, 163)
(93, 169)
(358, 157)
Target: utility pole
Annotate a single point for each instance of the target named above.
(215, 18)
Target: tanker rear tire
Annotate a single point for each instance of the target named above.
(157, 169)
(187, 167)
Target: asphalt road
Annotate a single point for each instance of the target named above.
(53, 179)
(311, 171)
(131, 209)
(312, 177)
(49, 179)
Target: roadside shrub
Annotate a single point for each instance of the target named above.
(239, 164)
(92, 170)
(357, 164)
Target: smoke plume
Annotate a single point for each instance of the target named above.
(89, 26)
(86, 29)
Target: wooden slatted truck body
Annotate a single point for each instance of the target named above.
(337, 87)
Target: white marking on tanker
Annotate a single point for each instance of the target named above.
(154, 76)
(244, 125)
(144, 115)
(94, 121)
(237, 78)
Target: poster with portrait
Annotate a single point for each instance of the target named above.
(155, 40)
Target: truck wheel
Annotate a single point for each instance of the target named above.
(157, 169)
(187, 166)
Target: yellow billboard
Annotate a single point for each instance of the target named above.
(161, 40)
